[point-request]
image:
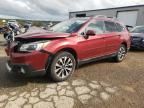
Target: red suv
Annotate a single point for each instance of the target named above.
(67, 45)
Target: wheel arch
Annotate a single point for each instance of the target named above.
(70, 50)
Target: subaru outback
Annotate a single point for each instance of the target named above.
(65, 46)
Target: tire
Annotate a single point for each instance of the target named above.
(62, 67)
(121, 53)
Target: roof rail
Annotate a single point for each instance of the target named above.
(100, 16)
(114, 18)
(104, 16)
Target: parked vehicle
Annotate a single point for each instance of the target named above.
(8, 34)
(129, 28)
(69, 44)
(27, 26)
(137, 37)
(12, 22)
(10, 31)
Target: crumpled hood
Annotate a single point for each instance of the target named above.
(141, 35)
(43, 35)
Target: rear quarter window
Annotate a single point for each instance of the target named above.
(119, 27)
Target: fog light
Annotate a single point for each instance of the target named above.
(22, 70)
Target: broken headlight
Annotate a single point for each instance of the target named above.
(35, 46)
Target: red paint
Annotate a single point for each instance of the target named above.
(94, 46)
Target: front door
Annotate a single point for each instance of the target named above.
(94, 46)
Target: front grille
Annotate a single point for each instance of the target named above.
(16, 48)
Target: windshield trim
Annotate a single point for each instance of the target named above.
(83, 21)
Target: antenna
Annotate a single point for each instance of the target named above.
(114, 18)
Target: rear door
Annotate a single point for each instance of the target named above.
(112, 37)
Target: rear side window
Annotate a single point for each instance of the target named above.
(120, 28)
(97, 26)
(110, 26)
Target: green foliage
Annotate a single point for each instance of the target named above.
(34, 23)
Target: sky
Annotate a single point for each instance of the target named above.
(55, 9)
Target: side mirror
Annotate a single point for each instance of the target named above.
(90, 33)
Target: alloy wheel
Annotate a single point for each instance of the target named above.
(121, 53)
(63, 67)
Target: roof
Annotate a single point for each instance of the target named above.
(81, 18)
(110, 8)
(97, 17)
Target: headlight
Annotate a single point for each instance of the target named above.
(35, 46)
(142, 40)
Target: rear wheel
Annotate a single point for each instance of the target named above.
(62, 67)
(121, 53)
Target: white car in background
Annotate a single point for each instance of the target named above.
(14, 22)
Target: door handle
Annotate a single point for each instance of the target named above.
(118, 35)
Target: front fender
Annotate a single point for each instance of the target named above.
(58, 45)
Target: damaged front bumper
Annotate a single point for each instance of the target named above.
(23, 69)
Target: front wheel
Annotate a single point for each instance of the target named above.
(62, 67)
(121, 53)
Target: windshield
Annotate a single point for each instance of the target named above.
(69, 26)
(138, 30)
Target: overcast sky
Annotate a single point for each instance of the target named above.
(55, 9)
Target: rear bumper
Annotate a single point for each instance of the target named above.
(23, 69)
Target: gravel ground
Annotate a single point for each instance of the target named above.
(102, 84)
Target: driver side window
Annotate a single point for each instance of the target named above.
(97, 26)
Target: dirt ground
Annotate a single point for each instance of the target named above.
(101, 84)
